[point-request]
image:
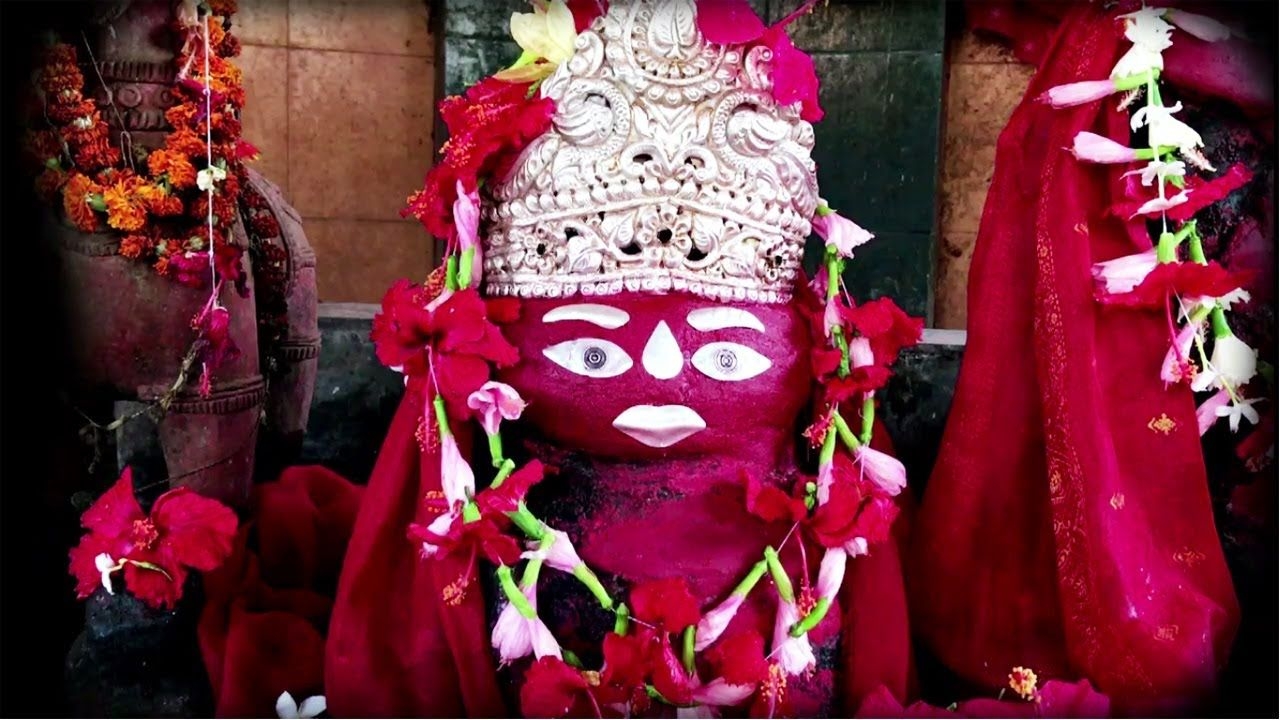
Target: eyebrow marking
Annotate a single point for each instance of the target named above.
(719, 318)
(604, 316)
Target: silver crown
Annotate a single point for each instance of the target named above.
(668, 167)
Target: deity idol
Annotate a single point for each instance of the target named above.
(695, 518)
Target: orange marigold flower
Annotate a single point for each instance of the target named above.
(161, 265)
(97, 153)
(182, 115)
(1023, 681)
(76, 196)
(126, 206)
(217, 33)
(222, 7)
(176, 168)
(167, 206)
(59, 77)
(185, 141)
(136, 246)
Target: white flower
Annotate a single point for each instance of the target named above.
(1239, 409)
(287, 707)
(1150, 36)
(1233, 364)
(1165, 131)
(208, 176)
(1159, 169)
(107, 565)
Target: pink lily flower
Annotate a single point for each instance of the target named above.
(1160, 204)
(1077, 93)
(515, 636)
(717, 693)
(819, 282)
(466, 222)
(857, 547)
(1125, 273)
(831, 572)
(793, 654)
(495, 402)
(1091, 147)
(826, 477)
(841, 232)
(457, 480)
(713, 624)
(886, 471)
(1201, 26)
(1207, 413)
(1177, 361)
(831, 315)
(860, 354)
(557, 551)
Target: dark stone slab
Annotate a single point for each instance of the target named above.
(481, 18)
(918, 25)
(840, 26)
(135, 661)
(916, 402)
(468, 60)
(355, 396)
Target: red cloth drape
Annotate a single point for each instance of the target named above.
(262, 627)
(395, 647)
(1067, 526)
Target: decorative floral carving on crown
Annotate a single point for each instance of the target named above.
(668, 167)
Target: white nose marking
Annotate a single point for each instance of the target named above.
(662, 357)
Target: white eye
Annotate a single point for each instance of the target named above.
(729, 361)
(590, 356)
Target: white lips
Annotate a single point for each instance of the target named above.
(659, 425)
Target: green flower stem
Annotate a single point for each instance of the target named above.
(1219, 319)
(504, 472)
(779, 575)
(1167, 248)
(464, 268)
(749, 582)
(842, 428)
(829, 443)
(442, 418)
(686, 648)
(531, 571)
(451, 273)
(470, 512)
(495, 449)
(588, 578)
(811, 620)
(823, 210)
(1153, 90)
(514, 596)
(148, 566)
(834, 263)
(529, 524)
(868, 419)
(837, 335)
(621, 619)
(1195, 249)
(1132, 82)
(570, 658)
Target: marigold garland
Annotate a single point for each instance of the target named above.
(157, 202)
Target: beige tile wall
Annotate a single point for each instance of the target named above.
(340, 96)
(985, 84)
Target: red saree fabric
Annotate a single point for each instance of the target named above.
(396, 648)
(1067, 526)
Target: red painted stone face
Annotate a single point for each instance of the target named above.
(639, 376)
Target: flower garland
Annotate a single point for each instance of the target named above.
(174, 207)
(446, 339)
(1202, 291)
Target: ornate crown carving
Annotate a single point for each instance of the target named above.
(668, 167)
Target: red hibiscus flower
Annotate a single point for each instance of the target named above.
(739, 658)
(458, 334)
(887, 327)
(488, 128)
(498, 501)
(552, 689)
(1188, 279)
(667, 604)
(770, 503)
(855, 509)
(183, 531)
(486, 536)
